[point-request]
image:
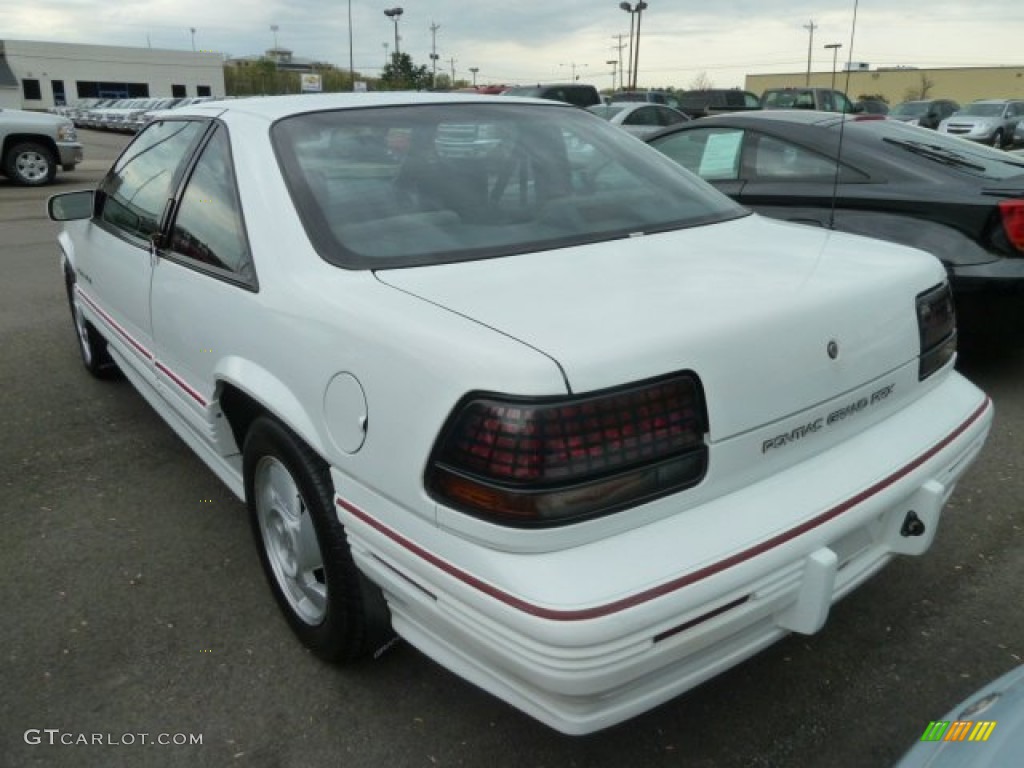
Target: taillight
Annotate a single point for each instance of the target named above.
(1011, 212)
(555, 460)
(936, 323)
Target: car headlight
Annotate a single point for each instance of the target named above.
(67, 132)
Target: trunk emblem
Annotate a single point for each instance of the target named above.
(833, 350)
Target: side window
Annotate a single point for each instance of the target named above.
(712, 153)
(669, 117)
(779, 160)
(136, 190)
(208, 227)
(643, 116)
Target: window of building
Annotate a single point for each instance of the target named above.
(59, 99)
(178, 91)
(31, 91)
(203, 90)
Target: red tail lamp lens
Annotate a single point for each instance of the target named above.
(1012, 214)
(552, 460)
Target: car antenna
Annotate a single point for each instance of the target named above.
(842, 125)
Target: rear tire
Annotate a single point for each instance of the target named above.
(997, 139)
(334, 609)
(30, 164)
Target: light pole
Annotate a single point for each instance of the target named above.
(193, 31)
(629, 59)
(835, 52)
(274, 28)
(572, 65)
(474, 70)
(637, 9)
(433, 53)
(386, 46)
(613, 62)
(351, 60)
(395, 14)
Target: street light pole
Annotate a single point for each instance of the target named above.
(613, 62)
(351, 60)
(433, 53)
(395, 14)
(634, 47)
(835, 52)
(474, 70)
(193, 31)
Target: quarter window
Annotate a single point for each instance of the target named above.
(208, 228)
(136, 191)
(713, 154)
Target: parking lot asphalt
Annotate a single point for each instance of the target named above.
(133, 602)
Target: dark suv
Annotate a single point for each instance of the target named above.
(713, 101)
(572, 93)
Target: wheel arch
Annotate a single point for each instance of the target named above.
(14, 139)
(262, 393)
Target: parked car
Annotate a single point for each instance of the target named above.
(638, 118)
(927, 113)
(714, 101)
(963, 203)
(33, 144)
(649, 97)
(1018, 133)
(986, 729)
(871, 107)
(577, 94)
(989, 121)
(821, 99)
(502, 402)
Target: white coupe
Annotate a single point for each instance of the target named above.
(494, 376)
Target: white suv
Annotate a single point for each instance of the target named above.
(989, 121)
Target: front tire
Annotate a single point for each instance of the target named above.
(997, 139)
(30, 164)
(335, 611)
(91, 344)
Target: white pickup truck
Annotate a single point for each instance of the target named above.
(33, 144)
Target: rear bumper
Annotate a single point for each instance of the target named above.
(599, 645)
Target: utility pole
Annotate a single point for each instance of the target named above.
(810, 27)
(452, 60)
(433, 53)
(618, 48)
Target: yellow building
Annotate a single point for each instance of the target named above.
(962, 84)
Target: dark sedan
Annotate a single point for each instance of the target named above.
(959, 200)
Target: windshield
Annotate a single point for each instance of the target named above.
(983, 110)
(967, 156)
(427, 184)
(605, 110)
(910, 109)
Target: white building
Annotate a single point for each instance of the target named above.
(39, 75)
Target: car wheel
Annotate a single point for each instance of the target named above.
(336, 612)
(997, 139)
(91, 344)
(30, 164)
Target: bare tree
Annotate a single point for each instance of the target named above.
(921, 92)
(702, 82)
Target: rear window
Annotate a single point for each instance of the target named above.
(963, 155)
(429, 184)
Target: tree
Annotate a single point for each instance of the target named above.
(920, 93)
(873, 97)
(401, 75)
(702, 82)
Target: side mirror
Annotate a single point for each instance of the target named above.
(70, 206)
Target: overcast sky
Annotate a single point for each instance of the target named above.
(522, 41)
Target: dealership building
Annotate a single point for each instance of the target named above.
(896, 84)
(39, 75)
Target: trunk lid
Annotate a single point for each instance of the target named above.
(752, 306)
